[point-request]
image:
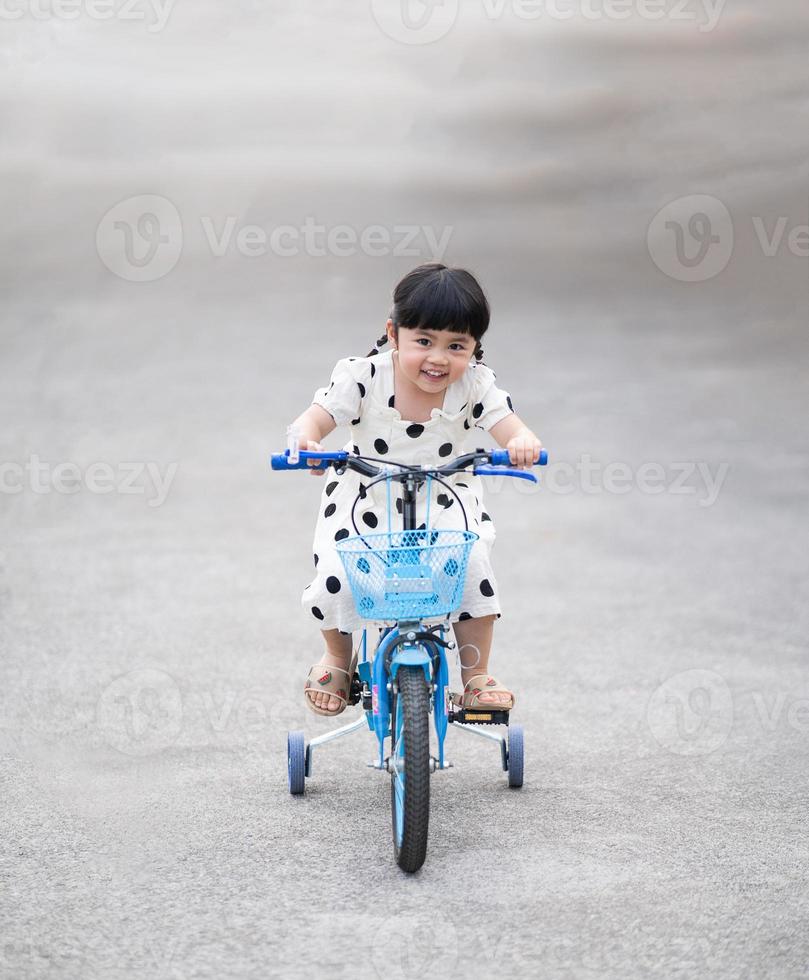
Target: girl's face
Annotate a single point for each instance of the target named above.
(432, 359)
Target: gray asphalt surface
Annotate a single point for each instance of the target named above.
(655, 613)
(153, 659)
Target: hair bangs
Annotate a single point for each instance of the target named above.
(435, 297)
(439, 298)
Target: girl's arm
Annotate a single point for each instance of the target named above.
(514, 435)
(313, 425)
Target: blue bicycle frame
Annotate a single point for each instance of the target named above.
(408, 643)
(411, 653)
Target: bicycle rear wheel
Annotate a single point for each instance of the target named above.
(410, 768)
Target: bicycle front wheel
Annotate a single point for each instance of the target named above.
(410, 768)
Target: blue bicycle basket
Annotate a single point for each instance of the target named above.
(406, 574)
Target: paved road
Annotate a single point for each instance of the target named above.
(153, 658)
(656, 606)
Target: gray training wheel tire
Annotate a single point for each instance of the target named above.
(516, 755)
(296, 762)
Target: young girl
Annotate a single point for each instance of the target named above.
(415, 403)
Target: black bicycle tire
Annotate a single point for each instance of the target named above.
(415, 695)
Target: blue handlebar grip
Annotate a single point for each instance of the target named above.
(280, 461)
(500, 457)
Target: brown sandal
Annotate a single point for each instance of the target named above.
(480, 684)
(323, 678)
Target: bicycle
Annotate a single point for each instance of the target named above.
(401, 578)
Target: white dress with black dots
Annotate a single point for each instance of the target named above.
(361, 396)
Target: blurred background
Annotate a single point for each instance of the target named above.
(204, 206)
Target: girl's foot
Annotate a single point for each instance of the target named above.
(474, 637)
(322, 675)
(476, 694)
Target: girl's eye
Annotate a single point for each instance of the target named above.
(425, 340)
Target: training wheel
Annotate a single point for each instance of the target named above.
(515, 755)
(296, 762)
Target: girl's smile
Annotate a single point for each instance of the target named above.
(431, 360)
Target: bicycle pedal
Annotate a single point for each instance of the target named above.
(356, 693)
(478, 716)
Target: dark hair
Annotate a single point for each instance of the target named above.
(433, 297)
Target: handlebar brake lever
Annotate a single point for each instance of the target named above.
(500, 470)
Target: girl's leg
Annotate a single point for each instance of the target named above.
(339, 647)
(474, 638)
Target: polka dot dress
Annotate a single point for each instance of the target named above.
(361, 396)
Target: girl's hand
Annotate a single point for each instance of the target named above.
(310, 446)
(523, 449)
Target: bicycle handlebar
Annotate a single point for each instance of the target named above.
(496, 458)
(280, 461)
